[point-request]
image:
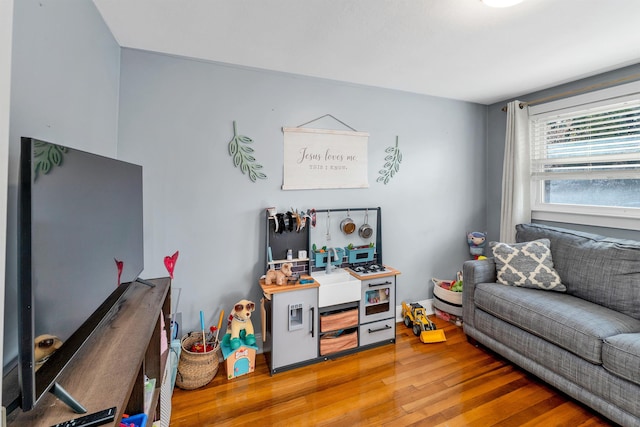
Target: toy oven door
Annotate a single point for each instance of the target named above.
(377, 300)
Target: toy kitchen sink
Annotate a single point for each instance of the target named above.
(337, 287)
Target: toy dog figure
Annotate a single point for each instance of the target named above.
(280, 276)
(45, 345)
(240, 326)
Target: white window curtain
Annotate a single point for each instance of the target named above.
(516, 182)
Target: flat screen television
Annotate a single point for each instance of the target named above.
(80, 244)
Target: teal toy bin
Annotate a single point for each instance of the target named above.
(360, 254)
(320, 258)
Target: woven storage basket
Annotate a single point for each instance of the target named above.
(446, 295)
(446, 300)
(196, 369)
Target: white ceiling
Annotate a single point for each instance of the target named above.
(459, 49)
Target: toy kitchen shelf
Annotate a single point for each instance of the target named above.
(327, 223)
(328, 230)
(282, 261)
(278, 243)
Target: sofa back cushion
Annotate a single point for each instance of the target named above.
(599, 269)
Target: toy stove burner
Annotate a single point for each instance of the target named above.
(368, 268)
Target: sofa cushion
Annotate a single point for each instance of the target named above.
(599, 269)
(621, 356)
(574, 324)
(528, 264)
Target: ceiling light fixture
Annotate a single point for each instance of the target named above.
(501, 3)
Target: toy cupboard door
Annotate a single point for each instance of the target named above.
(294, 326)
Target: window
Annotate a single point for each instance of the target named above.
(585, 158)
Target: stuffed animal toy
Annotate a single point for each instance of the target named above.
(476, 241)
(280, 276)
(240, 325)
(45, 346)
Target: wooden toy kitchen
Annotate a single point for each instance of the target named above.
(339, 298)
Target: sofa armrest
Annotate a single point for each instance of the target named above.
(473, 273)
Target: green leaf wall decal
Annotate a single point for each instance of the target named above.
(392, 163)
(46, 157)
(239, 152)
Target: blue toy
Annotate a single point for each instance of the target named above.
(477, 241)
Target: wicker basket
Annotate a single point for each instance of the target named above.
(196, 369)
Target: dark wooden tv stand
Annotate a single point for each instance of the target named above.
(109, 370)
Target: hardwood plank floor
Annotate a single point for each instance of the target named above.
(445, 384)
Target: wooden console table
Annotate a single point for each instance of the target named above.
(109, 370)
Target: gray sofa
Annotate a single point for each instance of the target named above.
(584, 341)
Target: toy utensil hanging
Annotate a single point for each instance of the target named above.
(312, 217)
(365, 230)
(347, 225)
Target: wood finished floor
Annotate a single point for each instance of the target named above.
(445, 384)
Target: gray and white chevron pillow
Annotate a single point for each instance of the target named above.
(528, 265)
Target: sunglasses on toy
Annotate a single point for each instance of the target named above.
(250, 306)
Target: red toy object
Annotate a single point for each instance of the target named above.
(446, 284)
(170, 263)
(119, 265)
(199, 348)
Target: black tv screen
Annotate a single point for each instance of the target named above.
(80, 243)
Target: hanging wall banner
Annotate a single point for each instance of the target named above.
(321, 159)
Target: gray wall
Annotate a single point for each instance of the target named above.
(64, 89)
(495, 152)
(176, 120)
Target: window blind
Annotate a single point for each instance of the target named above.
(602, 142)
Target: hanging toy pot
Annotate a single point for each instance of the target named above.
(365, 231)
(347, 225)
